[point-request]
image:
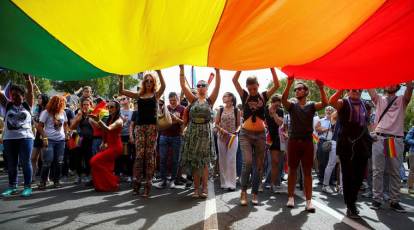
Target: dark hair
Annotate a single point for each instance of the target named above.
(45, 100)
(111, 118)
(275, 98)
(172, 94)
(233, 98)
(252, 80)
(98, 100)
(301, 83)
(19, 89)
(86, 99)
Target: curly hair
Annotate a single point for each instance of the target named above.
(56, 105)
(143, 89)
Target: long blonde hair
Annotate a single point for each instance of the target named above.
(143, 89)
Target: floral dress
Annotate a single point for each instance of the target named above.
(198, 148)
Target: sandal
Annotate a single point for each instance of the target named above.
(290, 203)
(203, 195)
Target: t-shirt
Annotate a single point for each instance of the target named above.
(393, 121)
(54, 126)
(134, 116)
(271, 123)
(175, 129)
(254, 106)
(18, 123)
(125, 128)
(301, 125)
(326, 124)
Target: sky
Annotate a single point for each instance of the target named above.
(172, 78)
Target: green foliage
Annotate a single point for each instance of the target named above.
(17, 78)
(409, 116)
(105, 87)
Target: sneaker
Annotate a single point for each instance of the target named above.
(86, 179)
(327, 189)
(260, 188)
(243, 198)
(367, 194)
(255, 200)
(352, 214)
(179, 182)
(41, 186)
(161, 185)
(78, 180)
(397, 207)
(27, 192)
(129, 180)
(188, 184)
(375, 205)
(172, 185)
(9, 192)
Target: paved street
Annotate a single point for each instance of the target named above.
(79, 207)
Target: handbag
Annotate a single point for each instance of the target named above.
(327, 145)
(164, 120)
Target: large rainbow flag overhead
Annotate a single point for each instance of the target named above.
(345, 43)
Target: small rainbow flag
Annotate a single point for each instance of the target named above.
(315, 138)
(389, 148)
(230, 140)
(100, 110)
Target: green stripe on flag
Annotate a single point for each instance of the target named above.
(26, 47)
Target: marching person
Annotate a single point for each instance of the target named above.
(103, 163)
(387, 150)
(53, 127)
(198, 150)
(252, 134)
(18, 135)
(300, 145)
(146, 127)
(353, 144)
(227, 124)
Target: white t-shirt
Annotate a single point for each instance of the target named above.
(54, 127)
(326, 123)
(17, 123)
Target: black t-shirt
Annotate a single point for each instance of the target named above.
(134, 116)
(301, 125)
(254, 106)
(147, 111)
(271, 123)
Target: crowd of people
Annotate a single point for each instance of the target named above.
(142, 139)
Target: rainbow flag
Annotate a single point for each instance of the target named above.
(325, 40)
(315, 138)
(230, 140)
(389, 148)
(100, 110)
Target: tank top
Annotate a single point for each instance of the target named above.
(147, 111)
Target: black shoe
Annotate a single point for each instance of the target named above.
(353, 214)
(179, 182)
(231, 189)
(397, 207)
(375, 205)
(188, 184)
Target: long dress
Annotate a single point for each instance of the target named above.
(198, 148)
(103, 163)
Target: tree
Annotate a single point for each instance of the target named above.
(106, 87)
(17, 78)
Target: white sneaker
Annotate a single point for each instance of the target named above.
(327, 189)
(172, 185)
(260, 187)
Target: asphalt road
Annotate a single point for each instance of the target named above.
(80, 207)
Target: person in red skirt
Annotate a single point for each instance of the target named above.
(102, 164)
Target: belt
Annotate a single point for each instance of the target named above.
(388, 135)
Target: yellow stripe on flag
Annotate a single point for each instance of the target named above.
(128, 36)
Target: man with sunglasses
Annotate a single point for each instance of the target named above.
(300, 145)
(122, 163)
(389, 146)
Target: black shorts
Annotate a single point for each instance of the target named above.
(38, 143)
(275, 143)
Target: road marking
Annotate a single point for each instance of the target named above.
(339, 216)
(210, 214)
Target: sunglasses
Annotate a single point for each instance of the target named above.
(300, 89)
(201, 85)
(149, 81)
(355, 90)
(123, 98)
